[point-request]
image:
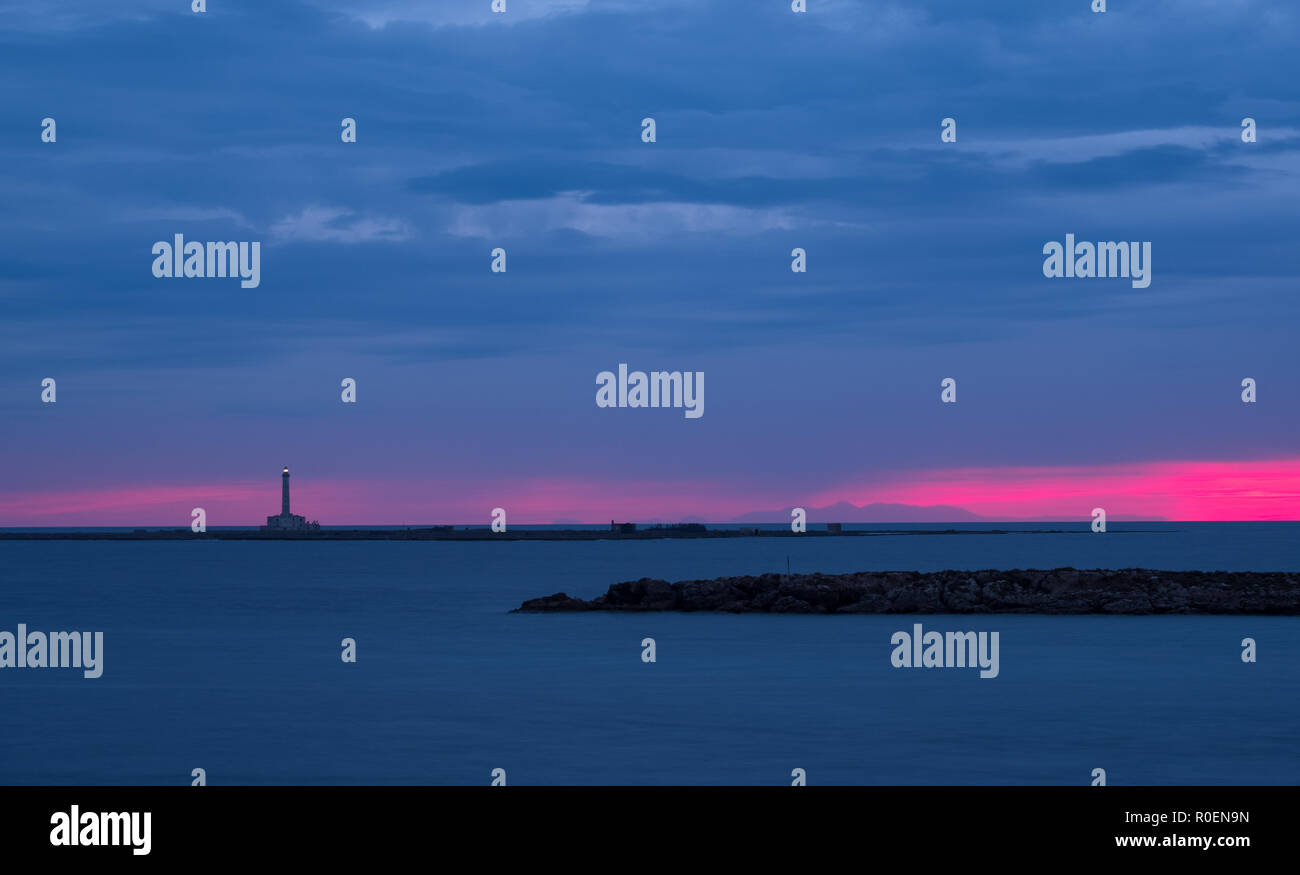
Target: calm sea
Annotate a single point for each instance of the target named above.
(226, 656)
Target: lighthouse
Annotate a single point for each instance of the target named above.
(286, 520)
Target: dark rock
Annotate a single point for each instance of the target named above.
(1058, 591)
(557, 602)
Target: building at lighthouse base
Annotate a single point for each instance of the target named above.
(289, 522)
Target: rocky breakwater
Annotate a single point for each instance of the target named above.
(1059, 591)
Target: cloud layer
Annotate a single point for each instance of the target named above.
(522, 131)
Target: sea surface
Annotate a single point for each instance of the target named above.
(225, 655)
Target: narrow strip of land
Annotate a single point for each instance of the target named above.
(484, 533)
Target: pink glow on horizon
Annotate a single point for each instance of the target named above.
(1257, 490)
(1211, 491)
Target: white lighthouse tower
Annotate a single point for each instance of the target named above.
(286, 521)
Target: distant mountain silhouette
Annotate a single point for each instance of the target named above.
(876, 512)
(879, 512)
(671, 521)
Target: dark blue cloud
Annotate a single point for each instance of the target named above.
(775, 131)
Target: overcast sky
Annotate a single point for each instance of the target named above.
(775, 130)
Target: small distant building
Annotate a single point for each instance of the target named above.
(622, 528)
(285, 521)
(835, 528)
